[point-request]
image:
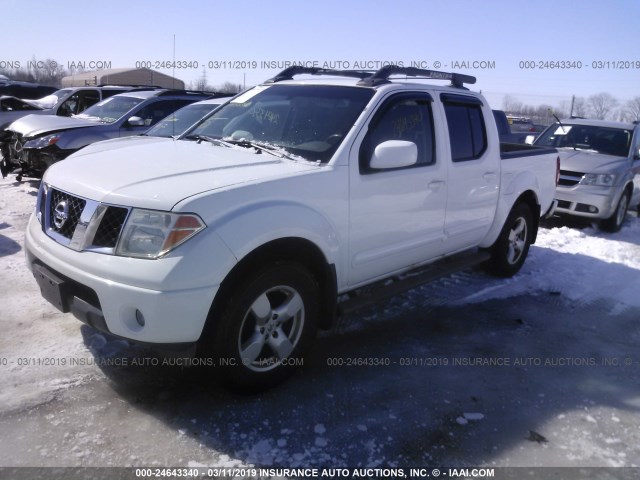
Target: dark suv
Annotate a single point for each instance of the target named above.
(39, 141)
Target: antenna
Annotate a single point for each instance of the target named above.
(173, 124)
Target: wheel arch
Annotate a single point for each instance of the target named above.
(531, 199)
(290, 249)
(528, 197)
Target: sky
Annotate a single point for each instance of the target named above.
(513, 47)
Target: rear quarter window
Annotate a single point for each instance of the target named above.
(467, 132)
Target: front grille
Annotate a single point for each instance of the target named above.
(569, 178)
(110, 227)
(564, 204)
(79, 223)
(64, 212)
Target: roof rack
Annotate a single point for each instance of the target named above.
(382, 76)
(288, 73)
(370, 78)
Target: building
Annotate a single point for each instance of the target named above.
(122, 76)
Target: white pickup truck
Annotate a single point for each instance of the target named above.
(295, 202)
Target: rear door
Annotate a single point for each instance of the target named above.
(474, 176)
(397, 215)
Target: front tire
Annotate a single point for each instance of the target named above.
(266, 327)
(512, 246)
(615, 221)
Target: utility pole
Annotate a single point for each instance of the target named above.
(573, 100)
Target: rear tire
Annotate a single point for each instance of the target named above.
(266, 327)
(510, 250)
(615, 221)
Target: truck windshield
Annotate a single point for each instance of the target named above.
(605, 140)
(309, 121)
(110, 110)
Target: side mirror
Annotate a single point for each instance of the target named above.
(529, 139)
(636, 155)
(394, 154)
(136, 122)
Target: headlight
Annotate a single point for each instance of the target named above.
(598, 179)
(42, 142)
(40, 200)
(151, 234)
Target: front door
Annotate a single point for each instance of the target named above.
(396, 215)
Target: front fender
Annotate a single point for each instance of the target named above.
(247, 228)
(76, 141)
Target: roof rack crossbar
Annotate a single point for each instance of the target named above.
(382, 76)
(288, 73)
(370, 78)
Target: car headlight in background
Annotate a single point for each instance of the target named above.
(152, 234)
(43, 142)
(598, 179)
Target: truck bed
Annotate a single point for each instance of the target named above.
(514, 150)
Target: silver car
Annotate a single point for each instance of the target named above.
(599, 168)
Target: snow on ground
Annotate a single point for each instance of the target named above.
(563, 388)
(587, 270)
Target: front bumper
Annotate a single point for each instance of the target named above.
(113, 293)
(35, 161)
(586, 201)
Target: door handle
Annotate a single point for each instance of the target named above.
(435, 185)
(489, 176)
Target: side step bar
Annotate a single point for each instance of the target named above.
(389, 287)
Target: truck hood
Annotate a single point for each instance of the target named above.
(114, 143)
(157, 173)
(35, 125)
(589, 162)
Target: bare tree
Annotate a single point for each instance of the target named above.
(562, 109)
(580, 107)
(46, 72)
(229, 87)
(511, 104)
(631, 110)
(602, 105)
(542, 114)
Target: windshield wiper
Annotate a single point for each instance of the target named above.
(206, 138)
(563, 129)
(228, 142)
(261, 147)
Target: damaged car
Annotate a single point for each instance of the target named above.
(63, 103)
(39, 141)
